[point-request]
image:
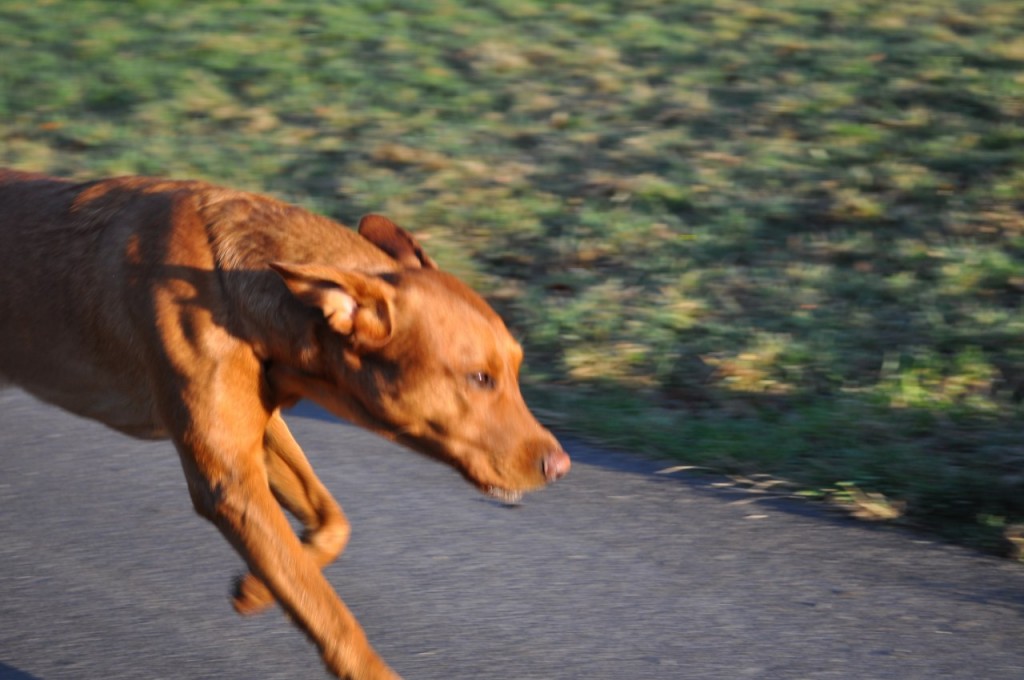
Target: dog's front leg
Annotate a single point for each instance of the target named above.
(237, 499)
(218, 423)
(298, 489)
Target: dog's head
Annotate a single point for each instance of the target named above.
(417, 356)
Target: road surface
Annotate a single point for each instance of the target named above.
(616, 572)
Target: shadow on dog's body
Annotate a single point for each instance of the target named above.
(184, 310)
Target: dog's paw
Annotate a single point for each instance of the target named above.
(250, 596)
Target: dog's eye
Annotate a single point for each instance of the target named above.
(482, 379)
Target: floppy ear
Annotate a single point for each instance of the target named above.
(359, 306)
(395, 241)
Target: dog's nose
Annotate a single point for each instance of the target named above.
(555, 464)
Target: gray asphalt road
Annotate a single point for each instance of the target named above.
(616, 572)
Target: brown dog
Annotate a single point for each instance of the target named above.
(183, 310)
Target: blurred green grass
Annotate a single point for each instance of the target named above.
(775, 237)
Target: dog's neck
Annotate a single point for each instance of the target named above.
(247, 235)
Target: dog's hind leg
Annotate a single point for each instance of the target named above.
(297, 488)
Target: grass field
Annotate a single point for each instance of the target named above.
(777, 238)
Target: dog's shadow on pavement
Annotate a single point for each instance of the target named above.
(11, 673)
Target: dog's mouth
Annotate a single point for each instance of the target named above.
(506, 496)
(481, 480)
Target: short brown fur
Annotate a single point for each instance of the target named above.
(184, 310)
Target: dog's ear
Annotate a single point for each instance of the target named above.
(395, 241)
(359, 306)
